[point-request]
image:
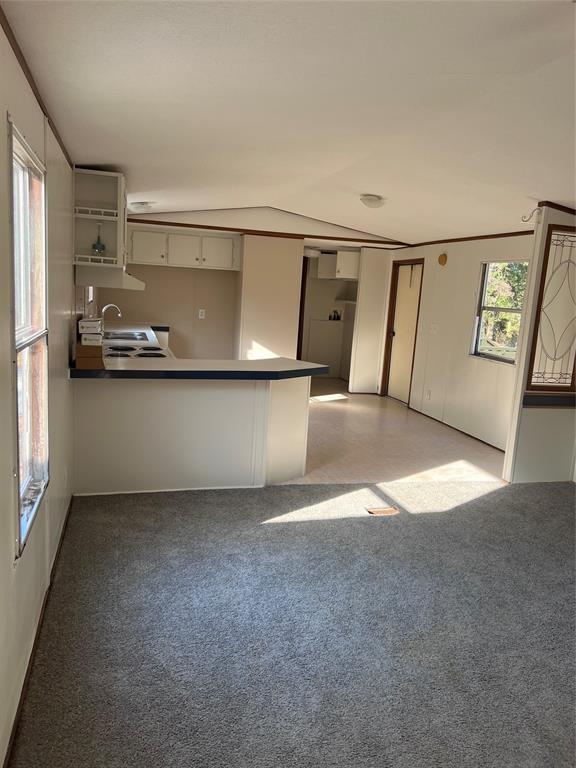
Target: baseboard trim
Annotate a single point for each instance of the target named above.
(171, 490)
(439, 421)
(30, 664)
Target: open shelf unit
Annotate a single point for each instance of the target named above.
(100, 214)
(99, 207)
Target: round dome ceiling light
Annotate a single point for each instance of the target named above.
(140, 206)
(372, 201)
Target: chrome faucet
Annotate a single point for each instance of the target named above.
(111, 306)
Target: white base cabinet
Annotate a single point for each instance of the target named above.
(195, 434)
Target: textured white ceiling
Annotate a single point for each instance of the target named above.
(460, 113)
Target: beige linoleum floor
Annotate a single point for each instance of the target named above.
(378, 440)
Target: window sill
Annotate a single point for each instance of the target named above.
(491, 359)
(23, 540)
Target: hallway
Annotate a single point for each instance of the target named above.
(367, 438)
(415, 460)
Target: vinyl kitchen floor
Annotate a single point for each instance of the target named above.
(367, 438)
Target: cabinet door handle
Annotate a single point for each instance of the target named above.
(197, 258)
(162, 256)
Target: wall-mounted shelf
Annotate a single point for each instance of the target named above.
(109, 260)
(99, 210)
(348, 291)
(86, 212)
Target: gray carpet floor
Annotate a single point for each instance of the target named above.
(285, 627)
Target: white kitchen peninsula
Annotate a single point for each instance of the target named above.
(172, 424)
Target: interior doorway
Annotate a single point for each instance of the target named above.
(328, 310)
(403, 311)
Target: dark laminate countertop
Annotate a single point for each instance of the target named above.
(270, 369)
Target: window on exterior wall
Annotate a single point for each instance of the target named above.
(30, 339)
(499, 310)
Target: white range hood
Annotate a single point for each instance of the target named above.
(107, 277)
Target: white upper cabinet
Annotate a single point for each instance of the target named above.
(218, 253)
(99, 218)
(184, 251)
(148, 247)
(343, 265)
(152, 245)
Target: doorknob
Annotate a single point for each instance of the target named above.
(392, 333)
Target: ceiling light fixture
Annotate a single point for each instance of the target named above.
(372, 201)
(140, 206)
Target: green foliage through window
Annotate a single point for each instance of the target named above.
(499, 310)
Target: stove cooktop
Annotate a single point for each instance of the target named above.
(113, 351)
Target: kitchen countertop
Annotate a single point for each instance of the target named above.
(270, 369)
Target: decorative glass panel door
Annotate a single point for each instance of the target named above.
(553, 353)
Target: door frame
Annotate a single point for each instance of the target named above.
(303, 286)
(390, 324)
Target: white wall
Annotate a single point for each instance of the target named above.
(545, 448)
(467, 392)
(270, 297)
(23, 582)
(371, 307)
(173, 295)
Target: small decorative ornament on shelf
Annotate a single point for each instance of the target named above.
(98, 247)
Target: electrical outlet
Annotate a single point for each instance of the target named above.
(428, 394)
(80, 301)
(201, 314)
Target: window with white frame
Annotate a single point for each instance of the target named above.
(30, 339)
(501, 298)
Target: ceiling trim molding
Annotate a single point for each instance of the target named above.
(5, 24)
(381, 238)
(475, 237)
(265, 232)
(557, 207)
